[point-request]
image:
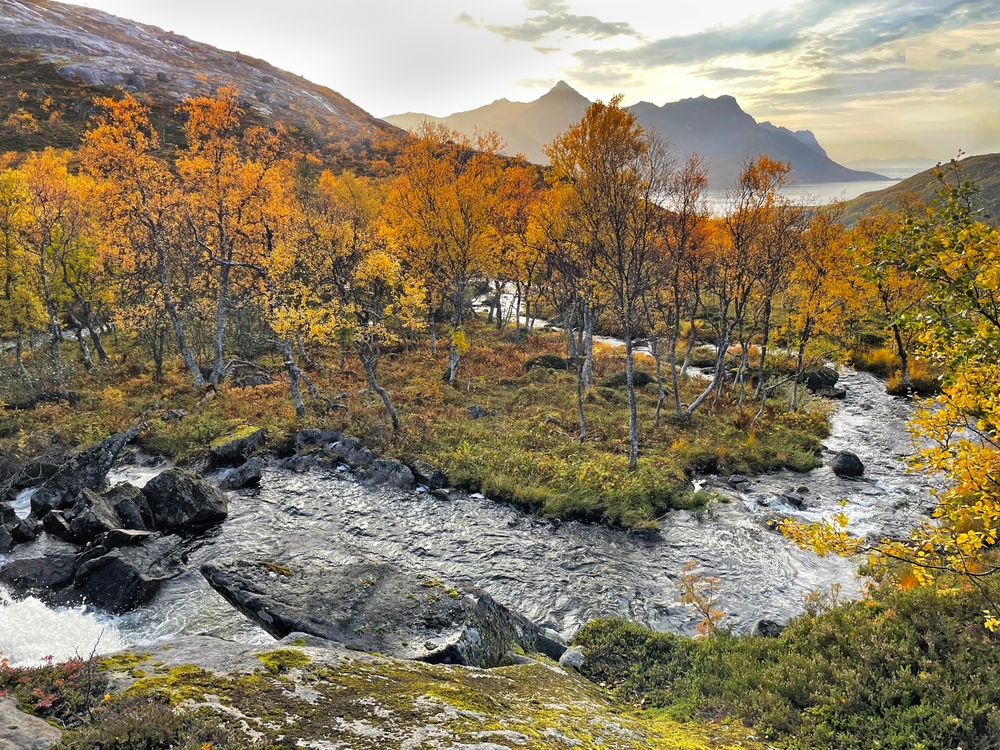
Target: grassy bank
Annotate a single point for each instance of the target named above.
(524, 451)
(901, 670)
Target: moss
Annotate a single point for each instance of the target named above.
(244, 431)
(282, 570)
(125, 662)
(282, 659)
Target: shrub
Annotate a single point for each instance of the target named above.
(549, 361)
(640, 378)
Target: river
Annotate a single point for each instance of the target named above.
(559, 574)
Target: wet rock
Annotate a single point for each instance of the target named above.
(91, 515)
(441, 494)
(298, 463)
(353, 451)
(234, 449)
(768, 628)
(129, 576)
(819, 379)
(121, 538)
(7, 541)
(40, 577)
(737, 479)
(377, 607)
(8, 518)
(86, 470)
(247, 475)
(428, 475)
(173, 415)
(847, 464)
(390, 472)
(21, 731)
(131, 506)
(835, 393)
(182, 502)
(56, 524)
(26, 529)
(793, 498)
(572, 657)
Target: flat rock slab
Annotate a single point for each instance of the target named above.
(21, 731)
(378, 608)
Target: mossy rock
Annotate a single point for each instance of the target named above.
(640, 378)
(548, 361)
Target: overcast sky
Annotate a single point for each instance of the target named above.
(872, 78)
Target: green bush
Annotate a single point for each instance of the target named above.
(898, 671)
(640, 378)
(548, 361)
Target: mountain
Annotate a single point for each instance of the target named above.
(984, 170)
(718, 129)
(54, 58)
(897, 169)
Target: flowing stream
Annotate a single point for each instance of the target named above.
(559, 574)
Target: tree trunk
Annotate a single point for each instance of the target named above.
(904, 359)
(88, 362)
(633, 419)
(171, 309)
(654, 348)
(293, 377)
(453, 357)
(588, 346)
(675, 379)
(220, 325)
(55, 334)
(765, 336)
(19, 356)
(579, 397)
(369, 364)
(433, 334)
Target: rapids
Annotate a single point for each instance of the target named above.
(559, 574)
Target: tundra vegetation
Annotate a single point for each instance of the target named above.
(238, 280)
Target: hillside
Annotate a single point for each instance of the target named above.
(54, 58)
(984, 170)
(718, 129)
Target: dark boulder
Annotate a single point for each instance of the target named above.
(547, 361)
(477, 411)
(86, 470)
(793, 498)
(41, 577)
(8, 518)
(163, 77)
(768, 628)
(121, 538)
(353, 451)
(376, 607)
(819, 379)
(835, 393)
(182, 502)
(56, 524)
(131, 506)
(847, 464)
(128, 576)
(307, 438)
(91, 515)
(7, 541)
(174, 415)
(427, 474)
(247, 475)
(26, 529)
(390, 472)
(237, 448)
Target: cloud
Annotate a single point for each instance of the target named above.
(732, 74)
(552, 18)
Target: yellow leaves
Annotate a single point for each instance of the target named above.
(460, 341)
(990, 622)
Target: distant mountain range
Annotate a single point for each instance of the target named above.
(69, 53)
(718, 129)
(984, 170)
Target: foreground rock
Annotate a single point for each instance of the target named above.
(238, 447)
(377, 607)
(127, 576)
(20, 731)
(305, 693)
(847, 464)
(247, 475)
(87, 470)
(181, 502)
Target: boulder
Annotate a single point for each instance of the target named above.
(847, 464)
(7, 541)
(835, 393)
(572, 658)
(121, 538)
(736, 480)
(376, 607)
(548, 361)
(91, 514)
(478, 412)
(793, 498)
(427, 474)
(8, 518)
(305, 439)
(86, 470)
(26, 529)
(56, 524)
(182, 502)
(247, 475)
(819, 379)
(21, 731)
(41, 577)
(238, 447)
(353, 451)
(131, 506)
(128, 576)
(173, 415)
(389, 471)
(768, 628)
(164, 77)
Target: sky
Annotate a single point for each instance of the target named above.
(872, 78)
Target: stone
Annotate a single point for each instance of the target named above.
(21, 731)
(477, 412)
(182, 502)
(379, 608)
(26, 529)
(163, 77)
(56, 524)
(793, 498)
(548, 361)
(247, 475)
(389, 472)
(173, 415)
(297, 463)
(834, 393)
(91, 515)
(131, 506)
(427, 475)
(40, 577)
(7, 541)
(441, 494)
(86, 470)
(572, 657)
(353, 451)
(847, 464)
(768, 628)
(819, 379)
(121, 538)
(737, 479)
(236, 448)
(307, 437)
(129, 576)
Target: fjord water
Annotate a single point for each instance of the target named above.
(559, 574)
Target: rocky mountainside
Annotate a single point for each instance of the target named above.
(718, 129)
(54, 58)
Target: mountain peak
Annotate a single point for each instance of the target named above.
(563, 87)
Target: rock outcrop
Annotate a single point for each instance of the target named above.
(86, 470)
(238, 447)
(181, 502)
(379, 608)
(127, 576)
